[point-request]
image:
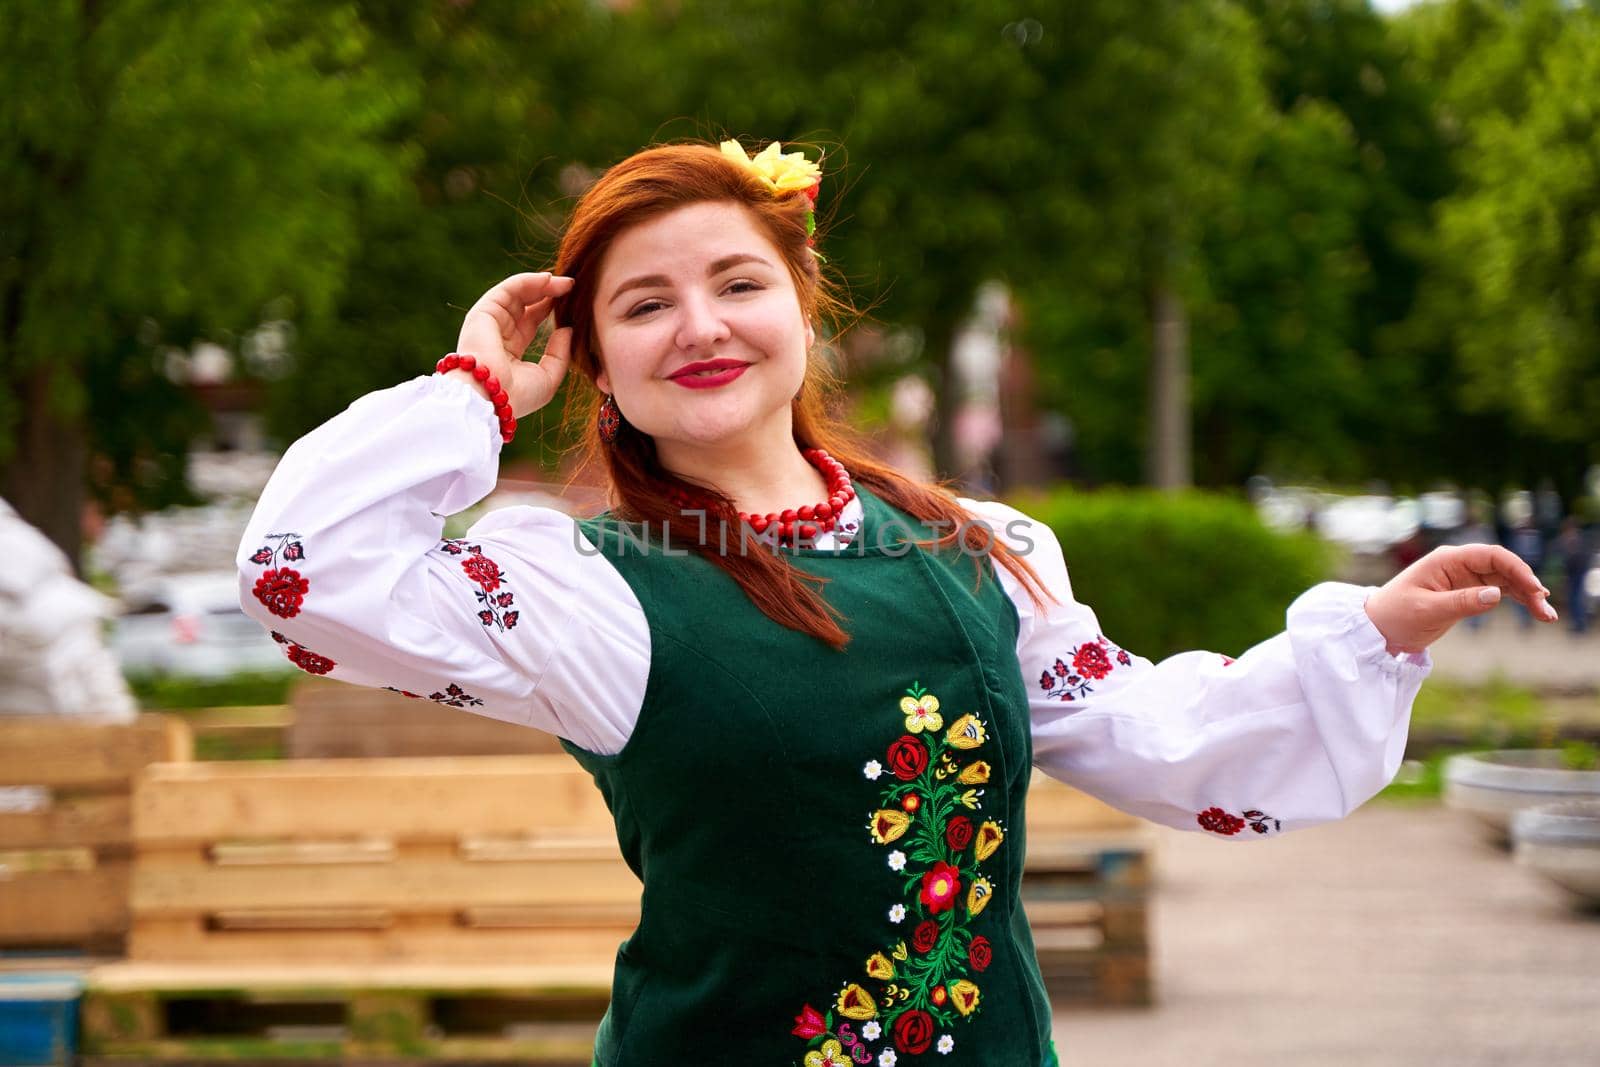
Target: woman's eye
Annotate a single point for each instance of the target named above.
(644, 308)
(743, 286)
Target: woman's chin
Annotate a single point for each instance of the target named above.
(714, 429)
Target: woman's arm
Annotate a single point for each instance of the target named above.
(1301, 729)
(344, 563)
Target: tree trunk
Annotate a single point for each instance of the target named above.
(940, 338)
(1168, 462)
(1022, 460)
(43, 478)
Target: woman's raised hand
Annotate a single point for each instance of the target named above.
(499, 328)
(1417, 606)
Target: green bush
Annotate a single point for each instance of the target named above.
(171, 692)
(1168, 572)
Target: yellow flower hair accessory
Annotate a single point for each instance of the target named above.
(784, 172)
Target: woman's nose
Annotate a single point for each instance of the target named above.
(700, 324)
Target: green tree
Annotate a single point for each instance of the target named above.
(1068, 150)
(1513, 272)
(508, 97)
(164, 173)
(1317, 259)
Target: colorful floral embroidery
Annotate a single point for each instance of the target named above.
(281, 589)
(922, 712)
(303, 657)
(1091, 661)
(494, 601)
(831, 1054)
(913, 990)
(1223, 822)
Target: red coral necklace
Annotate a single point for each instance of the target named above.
(805, 522)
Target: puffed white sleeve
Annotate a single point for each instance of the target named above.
(343, 562)
(1301, 729)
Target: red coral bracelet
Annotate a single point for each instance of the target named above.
(497, 395)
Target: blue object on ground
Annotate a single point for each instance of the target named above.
(39, 1019)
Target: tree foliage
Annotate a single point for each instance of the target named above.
(1382, 229)
(166, 166)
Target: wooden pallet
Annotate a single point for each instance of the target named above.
(67, 860)
(138, 1013)
(349, 909)
(335, 720)
(448, 860)
(1085, 889)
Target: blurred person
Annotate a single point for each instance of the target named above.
(812, 689)
(1573, 548)
(1405, 553)
(1527, 543)
(1475, 531)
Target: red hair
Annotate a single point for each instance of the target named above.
(651, 183)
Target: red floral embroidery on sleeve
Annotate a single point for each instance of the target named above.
(281, 589)
(453, 696)
(493, 593)
(1090, 662)
(1223, 822)
(303, 657)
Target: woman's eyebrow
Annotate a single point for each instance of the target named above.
(646, 281)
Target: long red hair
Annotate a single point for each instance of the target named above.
(651, 183)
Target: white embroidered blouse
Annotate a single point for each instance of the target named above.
(523, 620)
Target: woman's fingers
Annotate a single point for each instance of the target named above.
(1495, 565)
(537, 382)
(506, 302)
(527, 328)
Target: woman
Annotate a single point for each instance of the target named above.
(811, 690)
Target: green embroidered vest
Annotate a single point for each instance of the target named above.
(830, 843)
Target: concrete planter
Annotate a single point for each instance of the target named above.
(1562, 842)
(1493, 786)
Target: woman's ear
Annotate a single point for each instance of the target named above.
(601, 380)
(811, 335)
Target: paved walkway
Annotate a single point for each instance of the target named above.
(1395, 937)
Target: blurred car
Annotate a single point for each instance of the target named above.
(1369, 523)
(191, 624)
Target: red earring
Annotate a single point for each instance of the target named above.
(609, 420)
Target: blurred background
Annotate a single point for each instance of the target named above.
(1238, 295)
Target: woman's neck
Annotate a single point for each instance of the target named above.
(758, 480)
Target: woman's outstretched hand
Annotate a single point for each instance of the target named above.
(1417, 606)
(499, 328)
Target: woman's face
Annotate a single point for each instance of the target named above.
(699, 284)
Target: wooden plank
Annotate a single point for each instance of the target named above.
(439, 945)
(65, 907)
(90, 820)
(532, 979)
(1050, 913)
(1055, 807)
(298, 853)
(304, 919)
(577, 913)
(53, 751)
(402, 886)
(412, 798)
(335, 720)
